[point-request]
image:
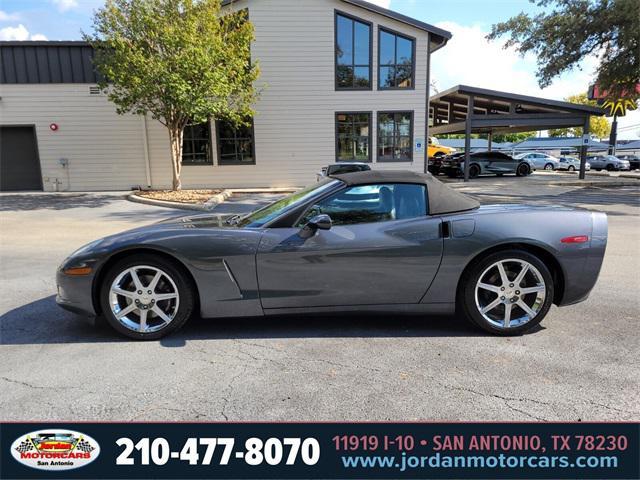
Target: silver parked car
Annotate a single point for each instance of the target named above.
(608, 162)
(539, 160)
(571, 164)
(483, 163)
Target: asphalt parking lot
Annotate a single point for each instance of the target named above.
(583, 363)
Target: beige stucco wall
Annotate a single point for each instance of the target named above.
(294, 127)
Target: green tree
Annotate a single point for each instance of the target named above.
(598, 126)
(574, 29)
(181, 61)
(512, 137)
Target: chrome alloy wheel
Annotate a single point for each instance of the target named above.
(144, 299)
(510, 293)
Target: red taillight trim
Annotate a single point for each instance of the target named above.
(575, 239)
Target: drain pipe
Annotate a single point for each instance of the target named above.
(145, 146)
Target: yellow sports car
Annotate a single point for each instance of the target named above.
(436, 150)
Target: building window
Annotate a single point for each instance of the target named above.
(353, 53)
(196, 144)
(353, 137)
(396, 59)
(236, 145)
(395, 136)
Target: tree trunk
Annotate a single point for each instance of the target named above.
(175, 138)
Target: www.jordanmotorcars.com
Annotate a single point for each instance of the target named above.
(55, 449)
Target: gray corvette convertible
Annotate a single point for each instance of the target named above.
(364, 241)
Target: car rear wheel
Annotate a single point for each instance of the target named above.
(474, 171)
(571, 168)
(146, 297)
(548, 166)
(523, 170)
(507, 293)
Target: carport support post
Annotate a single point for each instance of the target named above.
(467, 138)
(583, 148)
(489, 141)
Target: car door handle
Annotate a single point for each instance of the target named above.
(445, 229)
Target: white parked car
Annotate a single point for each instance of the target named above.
(571, 164)
(540, 160)
(608, 162)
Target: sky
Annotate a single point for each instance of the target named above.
(467, 59)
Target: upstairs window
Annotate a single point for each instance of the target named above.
(236, 145)
(353, 53)
(196, 144)
(396, 58)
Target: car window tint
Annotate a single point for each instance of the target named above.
(371, 203)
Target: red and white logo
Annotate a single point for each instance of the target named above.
(55, 449)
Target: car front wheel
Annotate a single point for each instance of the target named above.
(571, 168)
(146, 297)
(507, 293)
(523, 170)
(548, 166)
(610, 168)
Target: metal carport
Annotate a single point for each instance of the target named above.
(464, 109)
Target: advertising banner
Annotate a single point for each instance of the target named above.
(320, 450)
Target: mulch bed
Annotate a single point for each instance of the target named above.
(180, 196)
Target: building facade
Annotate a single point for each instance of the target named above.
(340, 80)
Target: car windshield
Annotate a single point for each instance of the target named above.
(260, 217)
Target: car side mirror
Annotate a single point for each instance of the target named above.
(319, 222)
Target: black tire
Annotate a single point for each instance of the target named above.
(549, 166)
(176, 272)
(523, 170)
(610, 167)
(571, 168)
(467, 300)
(474, 171)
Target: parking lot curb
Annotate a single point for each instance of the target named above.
(596, 183)
(205, 207)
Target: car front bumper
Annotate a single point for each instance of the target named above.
(74, 293)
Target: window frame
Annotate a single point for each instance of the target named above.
(219, 147)
(382, 159)
(335, 121)
(335, 50)
(413, 57)
(209, 161)
(298, 219)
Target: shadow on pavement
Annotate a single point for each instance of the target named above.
(43, 322)
(629, 196)
(54, 202)
(246, 202)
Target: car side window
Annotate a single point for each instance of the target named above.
(371, 203)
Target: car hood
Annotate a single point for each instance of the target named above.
(206, 220)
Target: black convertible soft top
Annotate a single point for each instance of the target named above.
(442, 199)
